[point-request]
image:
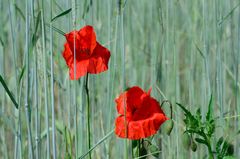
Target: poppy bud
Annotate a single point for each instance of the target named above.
(193, 146)
(169, 127)
(186, 140)
(230, 149)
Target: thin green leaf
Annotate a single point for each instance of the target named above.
(230, 13)
(62, 14)
(1, 41)
(21, 75)
(19, 11)
(86, 8)
(98, 143)
(56, 29)
(201, 53)
(8, 92)
(37, 22)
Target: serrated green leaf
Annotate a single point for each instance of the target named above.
(218, 145)
(62, 14)
(201, 141)
(184, 109)
(225, 148)
(198, 115)
(229, 157)
(8, 92)
(209, 113)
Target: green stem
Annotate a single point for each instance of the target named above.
(139, 147)
(88, 116)
(211, 156)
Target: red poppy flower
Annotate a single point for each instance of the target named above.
(143, 114)
(91, 57)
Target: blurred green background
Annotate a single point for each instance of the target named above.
(185, 50)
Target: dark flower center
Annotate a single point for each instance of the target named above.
(84, 50)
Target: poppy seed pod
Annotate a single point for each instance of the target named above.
(193, 146)
(169, 126)
(186, 140)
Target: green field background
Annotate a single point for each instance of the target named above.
(185, 50)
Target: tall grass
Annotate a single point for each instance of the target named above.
(185, 50)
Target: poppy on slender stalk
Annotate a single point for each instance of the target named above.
(91, 57)
(139, 113)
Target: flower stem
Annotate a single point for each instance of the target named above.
(88, 116)
(139, 147)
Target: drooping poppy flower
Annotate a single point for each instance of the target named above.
(91, 57)
(143, 114)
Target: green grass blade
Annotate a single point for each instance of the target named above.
(19, 11)
(229, 14)
(56, 29)
(62, 14)
(98, 143)
(8, 92)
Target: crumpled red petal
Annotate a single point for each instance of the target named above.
(143, 114)
(131, 97)
(81, 69)
(70, 40)
(91, 57)
(67, 54)
(87, 38)
(98, 62)
(139, 129)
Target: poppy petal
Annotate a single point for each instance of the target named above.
(87, 38)
(91, 57)
(98, 62)
(139, 129)
(149, 107)
(70, 40)
(132, 96)
(143, 114)
(81, 69)
(67, 54)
